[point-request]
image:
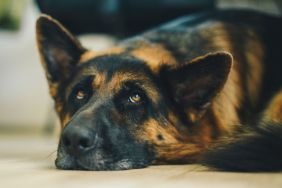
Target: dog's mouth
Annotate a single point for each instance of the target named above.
(98, 160)
(102, 165)
(105, 155)
(124, 164)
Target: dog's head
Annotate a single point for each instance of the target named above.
(117, 112)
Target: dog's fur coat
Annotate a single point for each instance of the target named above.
(204, 88)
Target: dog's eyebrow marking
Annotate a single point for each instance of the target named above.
(154, 56)
(98, 80)
(93, 54)
(119, 78)
(142, 81)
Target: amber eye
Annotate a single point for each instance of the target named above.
(135, 98)
(80, 95)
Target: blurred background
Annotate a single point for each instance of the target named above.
(25, 105)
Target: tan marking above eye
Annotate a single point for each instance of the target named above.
(154, 55)
(119, 78)
(98, 79)
(92, 54)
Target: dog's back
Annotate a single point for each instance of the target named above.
(252, 38)
(251, 95)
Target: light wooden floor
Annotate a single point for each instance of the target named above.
(27, 161)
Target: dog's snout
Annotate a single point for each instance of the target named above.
(77, 140)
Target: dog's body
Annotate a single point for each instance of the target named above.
(165, 96)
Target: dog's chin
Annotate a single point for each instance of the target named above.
(124, 164)
(69, 163)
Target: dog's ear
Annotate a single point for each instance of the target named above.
(59, 49)
(194, 84)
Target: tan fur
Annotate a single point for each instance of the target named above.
(178, 152)
(255, 56)
(153, 128)
(184, 146)
(273, 112)
(230, 99)
(119, 78)
(225, 106)
(154, 55)
(227, 103)
(98, 80)
(218, 35)
(176, 144)
(173, 146)
(92, 54)
(65, 120)
(53, 89)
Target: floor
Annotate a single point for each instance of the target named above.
(28, 161)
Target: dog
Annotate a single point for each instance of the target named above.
(204, 88)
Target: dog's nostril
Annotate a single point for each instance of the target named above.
(84, 143)
(66, 142)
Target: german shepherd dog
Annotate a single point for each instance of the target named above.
(202, 89)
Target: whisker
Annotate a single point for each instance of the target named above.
(52, 153)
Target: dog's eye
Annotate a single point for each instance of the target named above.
(81, 95)
(135, 98)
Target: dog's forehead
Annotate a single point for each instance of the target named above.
(113, 70)
(109, 74)
(114, 63)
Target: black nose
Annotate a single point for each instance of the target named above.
(77, 140)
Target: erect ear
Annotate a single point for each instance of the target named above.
(59, 49)
(194, 84)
